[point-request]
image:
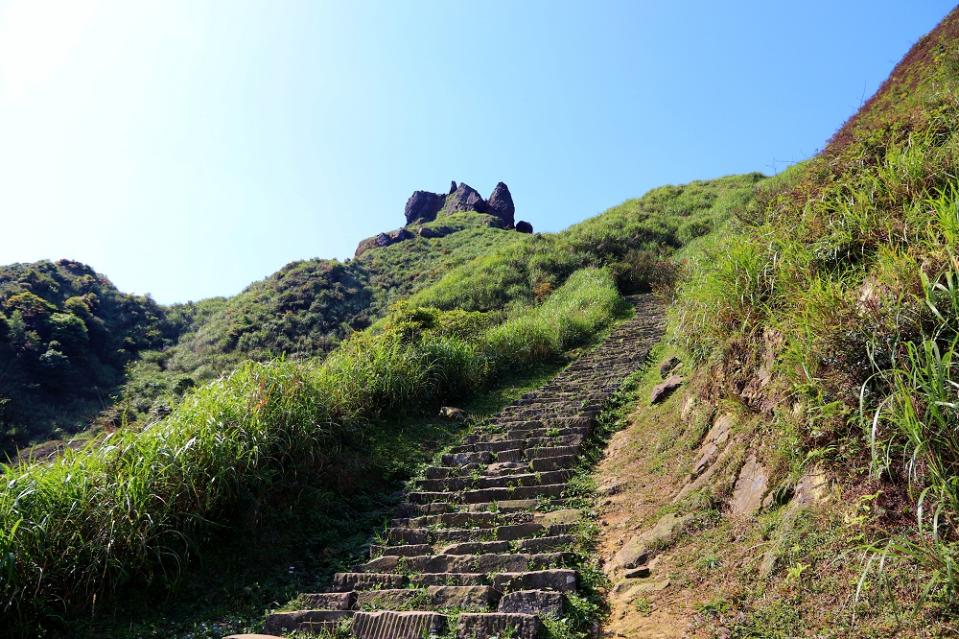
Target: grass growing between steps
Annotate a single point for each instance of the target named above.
(132, 512)
(300, 542)
(588, 607)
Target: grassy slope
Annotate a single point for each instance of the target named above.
(258, 417)
(827, 321)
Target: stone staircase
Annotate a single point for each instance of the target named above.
(480, 547)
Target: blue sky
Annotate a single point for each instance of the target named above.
(188, 148)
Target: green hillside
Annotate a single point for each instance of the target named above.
(66, 336)
(522, 302)
(823, 325)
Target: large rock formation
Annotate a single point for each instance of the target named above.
(500, 205)
(465, 198)
(424, 206)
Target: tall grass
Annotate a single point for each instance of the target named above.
(132, 509)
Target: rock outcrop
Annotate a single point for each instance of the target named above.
(500, 205)
(383, 239)
(465, 198)
(424, 206)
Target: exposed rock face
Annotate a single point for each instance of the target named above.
(500, 205)
(465, 198)
(664, 389)
(423, 206)
(750, 488)
(382, 239)
(524, 227)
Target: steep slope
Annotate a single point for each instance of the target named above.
(803, 480)
(490, 541)
(138, 509)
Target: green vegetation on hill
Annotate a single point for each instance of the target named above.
(136, 506)
(303, 310)
(833, 311)
(635, 239)
(66, 335)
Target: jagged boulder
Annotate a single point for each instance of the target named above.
(423, 206)
(500, 205)
(383, 239)
(464, 198)
(524, 227)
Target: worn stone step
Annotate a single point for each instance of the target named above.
(347, 581)
(551, 451)
(388, 624)
(533, 602)
(501, 481)
(400, 536)
(486, 447)
(484, 563)
(459, 520)
(478, 625)
(550, 543)
(466, 457)
(435, 597)
(442, 472)
(425, 579)
(313, 621)
(403, 550)
(559, 579)
(541, 464)
(329, 600)
(476, 547)
(487, 494)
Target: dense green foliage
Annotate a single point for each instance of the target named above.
(133, 507)
(844, 272)
(66, 335)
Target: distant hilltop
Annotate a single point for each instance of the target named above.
(424, 207)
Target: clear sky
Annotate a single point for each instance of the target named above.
(187, 148)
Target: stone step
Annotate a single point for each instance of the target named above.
(387, 624)
(533, 602)
(485, 563)
(558, 579)
(487, 494)
(462, 519)
(543, 464)
(551, 451)
(478, 625)
(501, 481)
(348, 581)
(464, 458)
(402, 550)
(313, 621)
(479, 598)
